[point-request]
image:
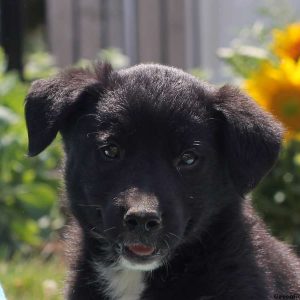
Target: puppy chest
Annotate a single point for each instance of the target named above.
(122, 284)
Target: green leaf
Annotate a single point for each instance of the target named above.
(7, 117)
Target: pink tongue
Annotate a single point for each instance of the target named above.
(140, 249)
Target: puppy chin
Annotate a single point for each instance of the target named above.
(131, 265)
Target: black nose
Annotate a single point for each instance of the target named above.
(142, 220)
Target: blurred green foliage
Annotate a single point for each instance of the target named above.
(251, 46)
(21, 281)
(277, 197)
(28, 187)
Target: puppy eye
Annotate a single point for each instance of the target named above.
(111, 151)
(188, 158)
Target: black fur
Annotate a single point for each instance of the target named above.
(215, 245)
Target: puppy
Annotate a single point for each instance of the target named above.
(157, 167)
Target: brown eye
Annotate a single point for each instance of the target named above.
(111, 151)
(188, 158)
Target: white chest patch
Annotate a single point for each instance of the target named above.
(121, 283)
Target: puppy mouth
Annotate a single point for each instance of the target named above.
(140, 250)
(138, 256)
(140, 253)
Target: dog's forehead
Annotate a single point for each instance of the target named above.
(158, 79)
(147, 93)
(155, 101)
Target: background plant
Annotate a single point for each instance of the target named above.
(265, 62)
(28, 187)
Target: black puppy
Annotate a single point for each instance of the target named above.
(157, 168)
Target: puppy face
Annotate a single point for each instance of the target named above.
(139, 160)
(152, 154)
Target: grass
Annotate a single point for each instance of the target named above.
(33, 279)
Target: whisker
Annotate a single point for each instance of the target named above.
(165, 261)
(111, 228)
(196, 143)
(168, 246)
(173, 234)
(98, 235)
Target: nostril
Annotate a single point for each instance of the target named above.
(152, 224)
(142, 221)
(131, 223)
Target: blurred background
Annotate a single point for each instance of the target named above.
(253, 44)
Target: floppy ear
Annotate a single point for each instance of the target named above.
(51, 101)
(251, 138)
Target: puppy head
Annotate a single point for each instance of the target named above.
(150, 153)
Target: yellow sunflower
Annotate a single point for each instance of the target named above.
(277, 89)
(287, 42)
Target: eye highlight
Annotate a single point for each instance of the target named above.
(187, 159)
(111, 151)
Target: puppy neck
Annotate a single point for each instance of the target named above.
(120, 283)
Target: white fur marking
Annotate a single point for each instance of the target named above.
(122, 283)
(125, 263)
